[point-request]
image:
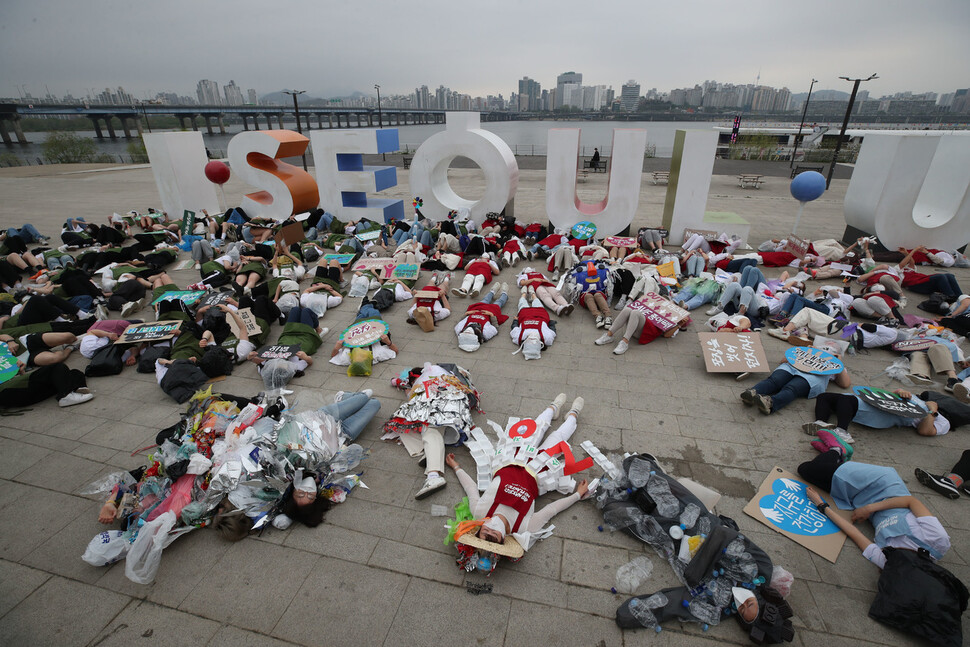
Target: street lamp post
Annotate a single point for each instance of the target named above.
(845, 123)
(380, 115)
(145, 112)
(296, 109)
(802, 123)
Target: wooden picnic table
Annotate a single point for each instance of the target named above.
(750, 181)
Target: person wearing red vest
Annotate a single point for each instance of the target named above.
(478, 273)
(876, 304)
(512, 252)
(482, 319)
(545, 290)
(428, 310)
(531, 330)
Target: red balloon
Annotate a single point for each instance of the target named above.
(217, 172)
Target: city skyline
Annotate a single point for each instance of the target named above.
(338, 50)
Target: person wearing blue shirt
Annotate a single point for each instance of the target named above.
(851, 408)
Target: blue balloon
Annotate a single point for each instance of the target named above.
(807, 186)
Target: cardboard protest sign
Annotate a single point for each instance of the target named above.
(912, 345)
(782, 504)
(659, 311)
(8, 364)
(249, 320)
(620, 241)
(667, 270)
(796, 246)
(584, 230)
(342, 259)
(708, 234)
(157, 331)
(732, 352)
(368, 235)
(813, 360)
(215, 298)
(889, 402)
(406, 271)
(278, 351)
(290, 234)
(836, 347)
(363, 333)
(188, 297)
(188, 222)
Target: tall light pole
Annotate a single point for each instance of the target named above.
(801, 123)
(145, 112)
(296, 109)
(380, 115)
(845, 123)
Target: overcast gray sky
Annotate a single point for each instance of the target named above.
(331, 48)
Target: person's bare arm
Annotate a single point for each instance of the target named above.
(851, 531)
(540, 518)
(467, 483)
(843, 379)
(911, 503)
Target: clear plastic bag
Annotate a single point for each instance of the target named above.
(145, 555)
(106, 548)
(781, 581)
(106, 483)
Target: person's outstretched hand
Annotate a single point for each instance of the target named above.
(451, 462)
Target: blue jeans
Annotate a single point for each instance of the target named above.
(28, 233)
(500, 302)
(690, 299)
(738, 264)
(796, 302)
(745, 296)
(83, 301)
(59, 262)
(354, 411)
(303, 316)
(324, 221)
(367, 311)
(783, 387)
(751, 276)
(695, 265)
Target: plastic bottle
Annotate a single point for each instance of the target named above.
(704, 612)
(633, 574)
(621, 517)
(659, 491)
(704, 526)
(347, 458)
(689, 516)
(643, 614)
(639, 472)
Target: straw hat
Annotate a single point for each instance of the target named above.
(509, 548)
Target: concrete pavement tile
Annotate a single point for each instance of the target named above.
(545, 559)
(49, 512)
(595, 601)
(82, 611)
(93, 452)
(415, 560)
(184, 563)
(525, 586)
(664, 446)
(362, 516)
(590, 565)
(851, 570)
(807, 615)
(328, 604)
(69, 423)
(61, 472)
(847, 614)
(791, 556)
(393, 457)
(387, 488)
(62, 445)
(581, 522)
(16, 456)
(429, 532)
(228, 636)
(715, 452)
(333, 541)
(61, 553)
(809, 638)
(152, 414)
(233, 590)
(145, 623)
(728, 481)
(418, 618)
(18, 582)
(122, 436)
(536, 624)
(11, 491)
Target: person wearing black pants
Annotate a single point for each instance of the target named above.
(68, 385)
(951, 484)
(41, 308)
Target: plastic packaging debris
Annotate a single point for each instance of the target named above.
(276, 374)
(642, 609)
(781, 581)
(633, 574)
(198, 464)
(704, 526)
(337, 491)
(639, 472)
(619, 517)
(689, 516)
(177, 499)
(440, 510)
(899, 370)
(347, 459)
(694, 544)
(107, 483)
(106, 548)
(659, 491)
(704, 612)
(720, 591)
(146, 551)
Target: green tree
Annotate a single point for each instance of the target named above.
(67, 148)
(136, 148)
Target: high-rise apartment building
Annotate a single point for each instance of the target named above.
(253, 98)
(630, 95)
(233, 94)
(566, 78)
(529, 94)
(208, 92)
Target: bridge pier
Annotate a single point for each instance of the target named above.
(19, 131)
(111, 127)
(208, 123)
(4, 135)
(370, 119)
(97, 127)
(125, 127)
(319, 121)
(222, 126)
(245, 122)
(269, 124)
(139, 126)
(279, 119)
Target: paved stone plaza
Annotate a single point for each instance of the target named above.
(377, 571)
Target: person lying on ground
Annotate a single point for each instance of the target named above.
(546, 291)
(632, 323)
(786, 384)
(950, 483)
(478, 273)
(532, 330)
(430, 303)
(482, 319)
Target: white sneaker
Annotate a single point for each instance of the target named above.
(621, 303)
(504, 289)
(198, 266)
(621, 348)
(101, 313)
(961, 392)
(73, 398)
(129, 309)
(603, 339)
(577, 405)
(368, 392)
(599, 321)
(778, 333)
(558, 404)
(715, 310)
(432, 484)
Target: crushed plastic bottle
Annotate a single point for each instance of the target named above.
(659, 490)
(633, 574)
(347, 458)
(620, 517)
(720, 591)
(704, 612)
(735, 549)
(642, 609)
(704, 526)
(639, 472)
(689, 516)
